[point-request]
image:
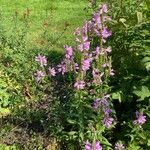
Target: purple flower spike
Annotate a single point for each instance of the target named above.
(106, 33)
(69, 52)
(79, 85)
(141, 119)
(39, 75)
(42, 60)
(86, 64)
(119, 146)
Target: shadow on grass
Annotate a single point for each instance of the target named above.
(36, 124)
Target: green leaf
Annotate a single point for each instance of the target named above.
(143, 92)
(139, 17)
(117, 95)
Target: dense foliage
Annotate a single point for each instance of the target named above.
(94, 96)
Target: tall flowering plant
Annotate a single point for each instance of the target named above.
(91, 116)
(90, 63)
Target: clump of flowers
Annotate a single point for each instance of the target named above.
(103, 105)
(140, 118)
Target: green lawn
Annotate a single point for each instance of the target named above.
(58, 14)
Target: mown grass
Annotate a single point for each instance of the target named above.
(58, 14)
(20, 127)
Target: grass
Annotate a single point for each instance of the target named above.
(58, 14)
(16, 64)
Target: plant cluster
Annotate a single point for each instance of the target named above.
(92, 117)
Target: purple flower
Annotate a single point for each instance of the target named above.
(96, 104)
(39, 75)
(88, 146)
(85, 28)
(108, 121)
(77, 31)
(95, 146)
(141, 119)
(97, 76)
(79, 85)
(62, 68)
(107, 111)
(106, 33)
(119, 146)
(86, 64)
(51, 71)
(105, 8)
(96, 18)
(97, 32)
(84, 46)
(69, 52)
(97, 51)
(95, 73)
(41, 59)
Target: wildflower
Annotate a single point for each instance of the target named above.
(42, 60)
(69, 52)
(86, 64)
(97, 32)
(95, 146)
(107, 121)
(88, 146)
(77, 31)
(84, 46)
(51, 71)
(97, 51)
(95, 73)
(39, 75)
(62, 68)
(96, 104)
(104, 8)
(106, 33)
(107, 111)
(141, 119)
(79, 85)
(96, 18)
(97, 76)
(119, 146)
